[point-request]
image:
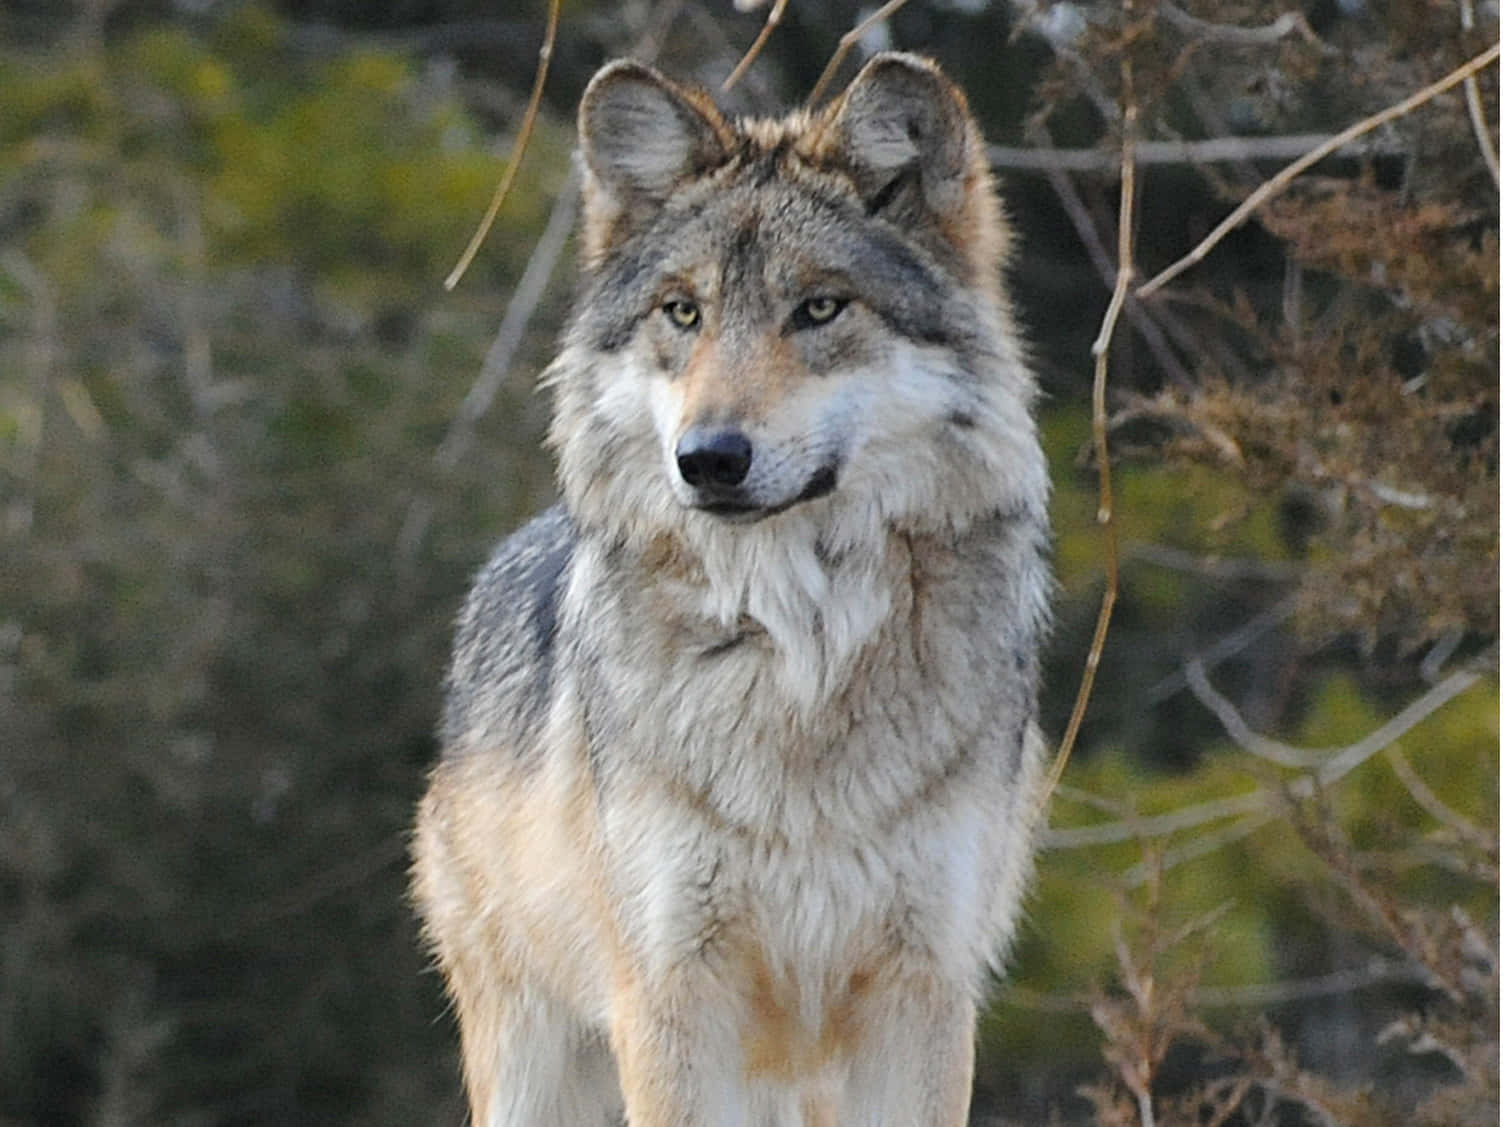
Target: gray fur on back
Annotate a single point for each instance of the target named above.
(502, 671)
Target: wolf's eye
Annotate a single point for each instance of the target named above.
(684, 314)
(817, 311)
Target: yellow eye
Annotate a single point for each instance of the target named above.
(683, 313)
(818, 310)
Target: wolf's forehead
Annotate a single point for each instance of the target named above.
(752, 236)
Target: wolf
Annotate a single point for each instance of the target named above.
(740, 767)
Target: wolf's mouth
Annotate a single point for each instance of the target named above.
(736, 511)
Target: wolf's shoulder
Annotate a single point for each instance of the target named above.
(501, 672)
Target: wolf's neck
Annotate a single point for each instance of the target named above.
(821, 595)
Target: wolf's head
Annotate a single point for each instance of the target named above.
(791, 316)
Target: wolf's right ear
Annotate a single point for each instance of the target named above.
(641, 136)
(904, 135)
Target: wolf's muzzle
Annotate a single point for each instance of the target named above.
(715, 462)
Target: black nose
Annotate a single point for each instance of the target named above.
(714, 458)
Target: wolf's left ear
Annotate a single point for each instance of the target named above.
(641, 136)
(904, 134)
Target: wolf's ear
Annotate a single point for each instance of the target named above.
(641, 136)
(904, 134)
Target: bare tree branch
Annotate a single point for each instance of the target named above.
(1201, 845)
(1142, 827)
(849, 40)
(1430, 802)
(1349, 758)
(1375, 972)
(1474, 104)
(1212, 150)
(1215, 567)
(1080, 219)
(774, 17)
(1244, 737)
(541, 265)
(1334, 766)
(1100, 349)
(1287, 24)
(1227, 647)
(1276, 184)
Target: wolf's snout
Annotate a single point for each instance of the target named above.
(714, 459)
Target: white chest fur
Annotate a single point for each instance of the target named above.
(814, 815)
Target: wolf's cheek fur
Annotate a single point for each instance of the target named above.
(892, 433)
(908, 422)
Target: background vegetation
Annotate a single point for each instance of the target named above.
(250, 451)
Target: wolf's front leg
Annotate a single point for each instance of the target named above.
(529, 1063)
(912, 1061)
(678, 1060)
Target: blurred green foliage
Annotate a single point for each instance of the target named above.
(225, 363)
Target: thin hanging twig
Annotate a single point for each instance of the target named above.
(849, 40)
(1100, 349)
(519, 146)
(774, 17)
(1085, 228)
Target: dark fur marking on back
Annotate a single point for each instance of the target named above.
(546, 579)
(509, 628)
